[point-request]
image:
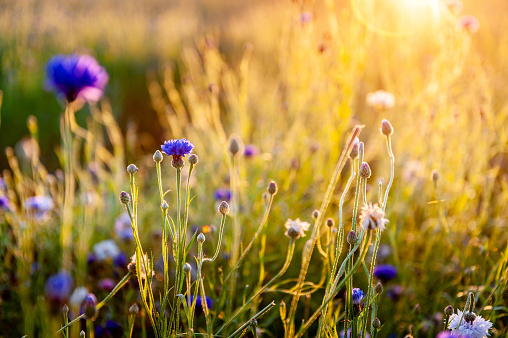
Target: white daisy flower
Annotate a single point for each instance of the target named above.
(296, 228)
(373, 217)
(472, 325)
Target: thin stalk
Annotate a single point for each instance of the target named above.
(66, 235)
(221, 231)
(392, 170)
(370, 290)
(255, 317)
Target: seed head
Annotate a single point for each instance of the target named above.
(376, 323)
(134, 309)
(187, 267)
(364, 171)
(330, 223)
(386, 128)
(125, 198)
(315, 214)
(272, 188)
(379, 288)
(132, 169)
(193, 159)
(201, 238)
(224, 208)
(373, 217)
(352, 237)
(435, 175)
(448, 310)
(157, 156)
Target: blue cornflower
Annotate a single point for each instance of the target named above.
(357, 296)
(385, 272)
(250, 151)
(222, 195)
(58, 288)
(110, 329)
(76, 76)
(199, 306)
(178, 148)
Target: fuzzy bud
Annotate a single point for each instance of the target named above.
(90, 306)
(354, 150)
(315, 214)
(125, 198)
(253, 322)
(435, 175)
(364, 171)
(193, 159)
(376, 323)
(352, 237)
(82, 334)
(448, 310)
(272, 188)
(282, 310)
(417, 309)
(224, 208)
(134, 309)
(157, 156)
(177, 162)
(235, 145)
(386, 128)
(65, 309)
(379, 288)
(132, 169)
(330, 223)
(201, 238)
(164, 206)
(187, 267)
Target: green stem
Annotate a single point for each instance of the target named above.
(221, 231)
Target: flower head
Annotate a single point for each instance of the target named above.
(222, 195)
(5, 204)
(180, 147)
(250, 151)
(357, 296)
(373, 217)
(199, 302)
(472, 325)
(40, 206)
(106, 250)
(385, 272)
(76, 76)
(58, 288)
(296, 228)
(380, 100)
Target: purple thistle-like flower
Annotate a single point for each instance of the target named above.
(357, 296)
(222, 195)
(76, 76)
(250, 151)
(179, 147)
(385, 272)
(5, 204)
(58, 288)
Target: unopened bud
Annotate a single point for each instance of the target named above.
(282, 310)
(253, 322)
(448, 310)
(364, 171)
(354, 150)
(157, 156)
(435, 175)
(164, 205)
(82, 334)
(132, 169)
(330, 223)
(201, 238)
(379, 288)
(386, 128)
(315, 214)
(272, 188)
(125, 198)
(187, 267)
(352, 237)
(235, 145)
(376, 323)
(193, 159)
(65, 309)
(224, 208)
(90, 306)
(134, 309)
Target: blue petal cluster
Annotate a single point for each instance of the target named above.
(385, 272)
(76, 76)
(199, 306)
(58, 288)
(180, 147)
(357, 296)
(222, 195)
(5, 204)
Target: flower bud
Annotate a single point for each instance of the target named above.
(82, 334)
(352, 237)
(354, 150)
(132, 169)
(65, 309)
(201, 238)
(272, 188)
(386, 128)
(134, 309)
(187, 267)
(379, 288)
(435, 175)
(125, 198)
(157, 156)
(282, 310)
(193, 159)
(253, 322)
(376, 323)
(235, 145)
(330, 223)
(315, 214)
(364, 171)
(448, 310)
(224, 208)
(90, 306)
(164, 205)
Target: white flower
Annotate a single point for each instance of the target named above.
(380, 100)
(373, 217)
(477, 328)
(40, 206)
(296, 228)
(106, 249)
(78, 297)
(145, 262)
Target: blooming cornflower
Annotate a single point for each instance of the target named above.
(472, 325)
(76, 76)
(106, 250)
(380, 100)
(296, 228)
(357, 296)
(250, 151)
(180, 147)
(222, 194)
(385, 272)
(5, 204)
(58, 288)
(199, 304)
(123, 227)
(448, 334)
(40, 206)
(373, 217)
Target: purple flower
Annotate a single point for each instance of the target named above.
(448, 334)
(5, 204)
(250, 151)
(58, 288)
(222, 195)
(40, 206)
(395, 292)
(199, 306)
(180, 147)
(123, 227)
(106, 284)
(76, 76)
(385, 272)
(357, 296)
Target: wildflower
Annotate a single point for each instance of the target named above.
(250, 151)
(110, 329)
(272, 188)
(364, 170)
(90, 306)
(78, 297)
(145, 264)
(469, 23)
(5, 204)
(199, 300)
(76, 76)
(296, 228)
(386, 128)
(380, 100)
(222, 194)
(58, 288)
(106, 284)
(106, 250)
(385, 272)
(373, 217)
(357, 296)
(134, 309)
(40, 206)
(224, 208)
(178, 149)
(472, 325)
(123, 227)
